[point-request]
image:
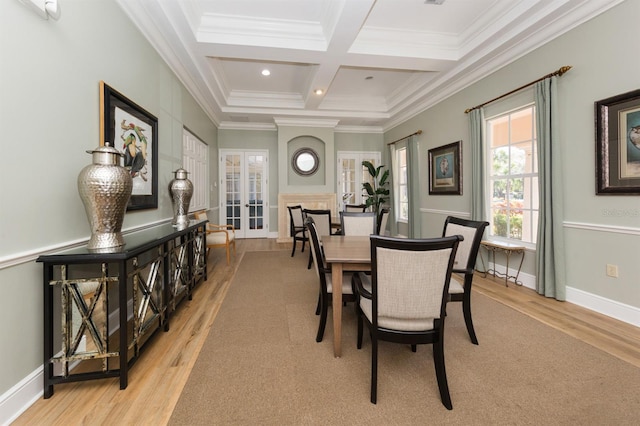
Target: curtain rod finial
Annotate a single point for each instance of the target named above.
(564, 69)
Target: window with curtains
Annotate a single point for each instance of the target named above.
(402, 200)
(512, 173)
(195, 160)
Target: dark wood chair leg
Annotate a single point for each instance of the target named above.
(323, 320)
(359, 341)
(319, 305)
(466, 310)
(441, 373)
(374, 370)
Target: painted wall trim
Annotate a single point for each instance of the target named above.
(21, 396)
(445, 212)
(32, 255)
(608, 307)
(603, 228)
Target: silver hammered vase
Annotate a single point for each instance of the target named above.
(181, 190)
(105, 188)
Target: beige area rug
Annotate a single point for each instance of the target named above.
(261, 365)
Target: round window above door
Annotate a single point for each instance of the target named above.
(305, 161)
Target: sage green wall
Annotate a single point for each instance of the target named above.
(361, 142)
(286, 134)
(601, 53)
(49, 116)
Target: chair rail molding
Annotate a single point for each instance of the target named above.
(446, 212)
(602, 228)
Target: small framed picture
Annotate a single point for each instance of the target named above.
(618, 144)
(445, 169)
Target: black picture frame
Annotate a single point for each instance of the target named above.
(445, 169)
(617, 128)
(133, 131)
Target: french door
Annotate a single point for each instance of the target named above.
(351, 174)
(244, 198)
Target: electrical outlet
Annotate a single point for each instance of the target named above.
(612, 270)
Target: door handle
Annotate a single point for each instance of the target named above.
(246, 205)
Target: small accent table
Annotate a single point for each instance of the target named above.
(492, 247)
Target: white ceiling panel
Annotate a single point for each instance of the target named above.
(415, 53)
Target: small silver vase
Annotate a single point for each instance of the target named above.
(181, 190)
(105, 188)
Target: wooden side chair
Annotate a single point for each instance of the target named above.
(465, 264)
(404, 299)
(322, 220)
(219, 236)
(326, 284)
(361, 208)
(358, 223)
(383, 218)
(297, 229)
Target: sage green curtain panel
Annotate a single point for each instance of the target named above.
(550, 259)
(478, 154)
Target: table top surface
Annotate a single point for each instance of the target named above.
(501, 245)
(346, 249)
(135, 242)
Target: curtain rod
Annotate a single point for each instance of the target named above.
(559, 73)
(419, 132)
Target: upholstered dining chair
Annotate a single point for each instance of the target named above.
(324, 275)
(383, 218)
(358, 223)
(219, 236)
(361, 208)
(404, 299)
(322, 219)
(297, 229)
(465, 263)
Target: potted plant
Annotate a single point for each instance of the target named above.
(377, 194)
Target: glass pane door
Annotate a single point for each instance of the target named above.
(244, 201)
(351, 174)
(255, 167)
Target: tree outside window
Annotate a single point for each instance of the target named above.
(513, 175)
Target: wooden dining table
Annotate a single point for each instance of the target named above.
(344, 253)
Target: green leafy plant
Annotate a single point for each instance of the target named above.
(377, 194)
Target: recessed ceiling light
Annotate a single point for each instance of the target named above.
(318, 92)
(266, 72)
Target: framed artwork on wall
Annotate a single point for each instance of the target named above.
(618, 144)
(445, 169)
(133, 131)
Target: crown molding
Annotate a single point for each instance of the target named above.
(305, 122)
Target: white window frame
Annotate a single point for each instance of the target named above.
(403, 182)
(509, 109)
(195, 160)
(360, 176)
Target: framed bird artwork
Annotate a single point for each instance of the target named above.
(134, 132)
(618, 144)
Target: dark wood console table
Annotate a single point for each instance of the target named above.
(94, 301)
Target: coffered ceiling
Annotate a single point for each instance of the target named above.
(377, 62)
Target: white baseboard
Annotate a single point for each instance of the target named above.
(21, 396)
(610, 308)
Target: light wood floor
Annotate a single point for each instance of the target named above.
(158, 377)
